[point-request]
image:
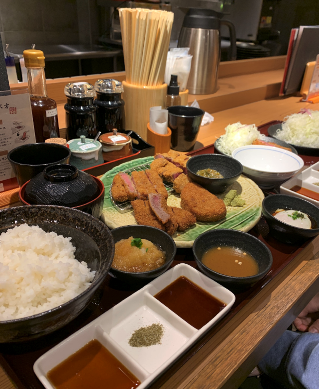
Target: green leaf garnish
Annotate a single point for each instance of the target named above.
(137, 242)
(297, 215)
(146, 250)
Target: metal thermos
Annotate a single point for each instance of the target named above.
(201, 33)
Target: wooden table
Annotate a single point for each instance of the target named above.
(228, 357)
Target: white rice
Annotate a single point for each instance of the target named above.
(38, 271)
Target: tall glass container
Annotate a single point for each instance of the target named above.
(44, 109)
(110, 106)
(80, 110)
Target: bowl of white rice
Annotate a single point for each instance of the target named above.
(52, 261)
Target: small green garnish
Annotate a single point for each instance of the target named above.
(137, 242)
(297, 215)
(146, 250)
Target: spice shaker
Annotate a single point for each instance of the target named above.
(80, 110)
(85, 152)
(109, 104)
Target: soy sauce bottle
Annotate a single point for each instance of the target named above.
(44, 109)
(80, 110)
(110, 106)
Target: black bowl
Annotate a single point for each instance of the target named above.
(29, 160)
(282, 231)
(228, 167)
(245, 242)
(156, 236)
(94, 245)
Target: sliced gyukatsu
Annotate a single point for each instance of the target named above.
(159, 207)
(142, 184)
(156, 180)
(129, 186)
(118, 189)
(144, 215)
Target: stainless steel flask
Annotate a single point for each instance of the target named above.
(201, 33)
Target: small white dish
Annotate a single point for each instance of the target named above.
(114, 328)
(268, 166)
(306, 179)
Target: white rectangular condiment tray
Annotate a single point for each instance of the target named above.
(306, 179)
(114, 328)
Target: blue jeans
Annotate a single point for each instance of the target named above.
(294, 361)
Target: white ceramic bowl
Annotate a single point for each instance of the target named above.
(268, 166)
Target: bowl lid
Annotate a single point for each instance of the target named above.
(115, 138)
(84, 145)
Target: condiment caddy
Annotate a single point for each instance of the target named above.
(304, 185)
(114, 328)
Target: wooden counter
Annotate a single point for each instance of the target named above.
(228, 357)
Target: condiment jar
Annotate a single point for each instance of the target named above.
(80, 110)
(110, 106)
(85, 152)
(115, 145)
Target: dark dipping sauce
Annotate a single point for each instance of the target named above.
(93, 366)
(305, 192)
(190, 302)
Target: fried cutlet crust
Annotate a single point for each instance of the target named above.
(180, 182)
(156, 180)
(118, 189)
(167, 170)
(184, 218)
(144, 215)
(205, 206)
(159, 207)
(142, 184)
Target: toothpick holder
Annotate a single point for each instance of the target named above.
(138, 101)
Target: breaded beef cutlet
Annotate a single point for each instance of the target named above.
(118, 189)
(159, 206)
(180, 182)
(177, 158)
(144, 215)
(183, 218)
(142, 184)
(167, 170)
(157, 182)
(129, 186)
(205, 206)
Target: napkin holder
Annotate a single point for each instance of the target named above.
(161, 142)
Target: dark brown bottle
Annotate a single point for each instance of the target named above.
(44, 109)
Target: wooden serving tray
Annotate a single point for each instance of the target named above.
(18, 359)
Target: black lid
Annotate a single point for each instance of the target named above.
(202, 18)
(173, 88)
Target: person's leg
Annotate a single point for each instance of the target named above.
(294, 360)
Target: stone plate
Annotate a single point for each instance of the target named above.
(238, 218)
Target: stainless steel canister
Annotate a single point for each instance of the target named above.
(201, 33)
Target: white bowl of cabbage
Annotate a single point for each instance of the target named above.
(269, 167)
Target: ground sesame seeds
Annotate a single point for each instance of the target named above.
(147, 336)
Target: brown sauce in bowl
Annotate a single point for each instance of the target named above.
(230, 261)
(190, 302)
(93, 366)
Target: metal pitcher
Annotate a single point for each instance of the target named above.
(201, 33)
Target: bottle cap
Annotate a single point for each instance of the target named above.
(173, 88)
(79, 90)
(108, 85)
(33, 58)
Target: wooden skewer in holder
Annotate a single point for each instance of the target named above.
(161, 142)
(138, 101)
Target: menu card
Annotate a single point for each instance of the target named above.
(16, 129)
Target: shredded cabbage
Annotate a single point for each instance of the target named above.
(301, 129)
(238, 135)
